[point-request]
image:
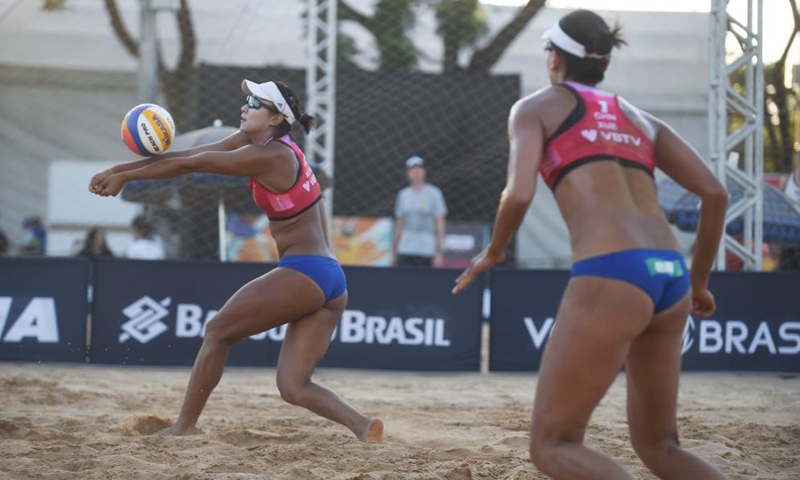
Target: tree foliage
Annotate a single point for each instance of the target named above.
(175, 82)
(461, 24)
(780, 103)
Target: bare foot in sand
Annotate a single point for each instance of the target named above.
(373, 432)
(174, 431)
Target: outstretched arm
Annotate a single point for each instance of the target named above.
(231, 142)
(245, 161)
(682, 163)
(526, 139)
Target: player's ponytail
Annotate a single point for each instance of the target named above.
(597, 38)
(306, 121)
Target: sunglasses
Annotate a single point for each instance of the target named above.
(255, 103)
(548, 47)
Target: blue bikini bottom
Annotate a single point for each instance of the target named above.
(325, 271)
(662, 274)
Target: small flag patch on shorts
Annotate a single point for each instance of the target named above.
(657, 266)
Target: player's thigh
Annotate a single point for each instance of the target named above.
(596, 322)
(280, 296)
(652, 369)
(307, 340)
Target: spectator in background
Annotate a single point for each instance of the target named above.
(94, 245)
(419, 212)
(144, 246)
(35, 242)
(789, 258)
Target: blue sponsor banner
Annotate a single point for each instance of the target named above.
(407, 319)
(154, 313)
(43, 309)
(523, 310)
(756, 326)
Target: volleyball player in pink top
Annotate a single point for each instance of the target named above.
(630, 292)
(307, 290)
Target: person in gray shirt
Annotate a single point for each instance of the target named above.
(419, 212)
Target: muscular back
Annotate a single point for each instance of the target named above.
(606, 206)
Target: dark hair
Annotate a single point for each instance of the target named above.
(306, 121)
(141, 225)
(590, 30)
(88, 251)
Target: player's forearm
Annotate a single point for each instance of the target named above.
(709, 233)
(127, 167)
(145, 162)
(157, 170)
(510, 215)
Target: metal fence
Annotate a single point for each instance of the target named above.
(414, 77)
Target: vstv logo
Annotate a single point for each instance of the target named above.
(145, 317)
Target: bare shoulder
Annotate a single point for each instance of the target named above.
(647, 123)
(536, 100)
(526, 108)
(272, 150)
(544, 104)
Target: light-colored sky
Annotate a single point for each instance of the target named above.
(777, 19)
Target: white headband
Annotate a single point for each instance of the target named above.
(270, 91)
(559, 38)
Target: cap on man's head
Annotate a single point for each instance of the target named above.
(415, 161)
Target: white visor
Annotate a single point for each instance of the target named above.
(269, 91)
(560, 39)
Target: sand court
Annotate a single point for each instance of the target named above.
(94, 422)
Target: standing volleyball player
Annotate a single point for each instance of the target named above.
(630, 292)
(307, 290)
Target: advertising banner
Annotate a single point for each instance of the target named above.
(407, 319)
(155, 313)
(756, 326)
(43, 309)
(523, 310)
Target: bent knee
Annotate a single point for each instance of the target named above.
(218, 331)
(292, 391)
(545, 441)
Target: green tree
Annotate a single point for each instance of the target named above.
(176, 83)
(780, 103)
(460, 23)
(389, 25)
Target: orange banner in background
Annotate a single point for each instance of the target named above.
(364, 241)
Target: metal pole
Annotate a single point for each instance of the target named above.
(147, 82)
(716, 104)
(321, 87)
(726, 138)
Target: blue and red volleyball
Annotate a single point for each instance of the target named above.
(148, 129)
